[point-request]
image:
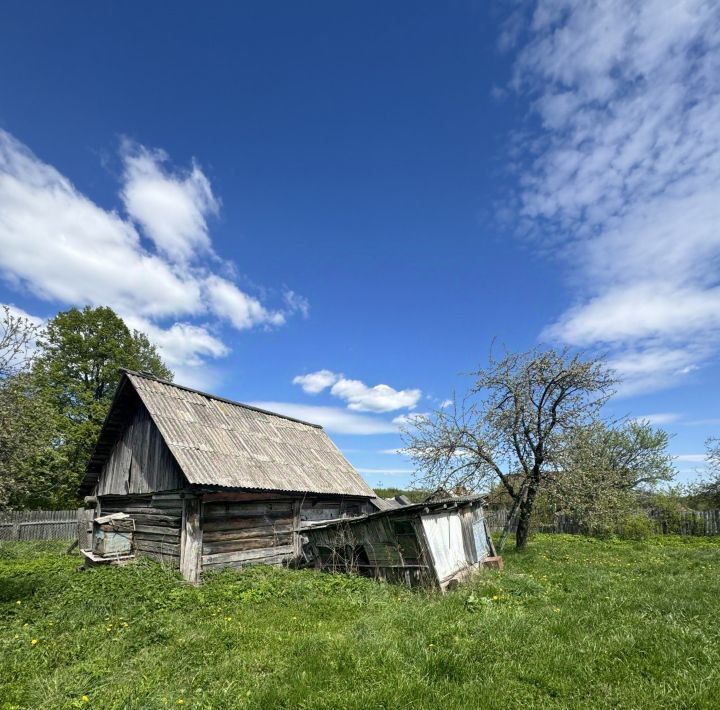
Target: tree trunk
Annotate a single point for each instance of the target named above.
(526, 506)
(523, 528)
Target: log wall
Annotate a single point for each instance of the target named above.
(238, 533)
(158, 519)
(250, 528)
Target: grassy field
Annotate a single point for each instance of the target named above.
(573, 622)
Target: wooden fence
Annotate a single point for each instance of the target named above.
(42, 524)
(689, 522)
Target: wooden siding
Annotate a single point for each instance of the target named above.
(140, 462)
(235, 534)
(315, 509)
(246, 528)
(157, 519)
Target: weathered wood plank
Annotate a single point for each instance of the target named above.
(212, 548)
(138, 510)
(165, 548)
(247, 556)
(164, 520)
(212, 511)
(173, 538)
(244, 533)
(276, 560)
(257, 521)
(157, 529)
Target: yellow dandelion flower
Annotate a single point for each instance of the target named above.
(495, 597)
(180, 701)
(18, 602)
(34, 642)
(85, 699)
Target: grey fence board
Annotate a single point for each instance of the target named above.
(40, 524)
(689, 522)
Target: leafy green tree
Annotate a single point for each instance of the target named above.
(25, 419)
(707, 492)
(26, 440)
(603, 467)
(76, 373)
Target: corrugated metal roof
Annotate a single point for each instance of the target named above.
(221, 443)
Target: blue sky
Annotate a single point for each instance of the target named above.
(334, 208)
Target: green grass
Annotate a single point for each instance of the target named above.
(572, 623)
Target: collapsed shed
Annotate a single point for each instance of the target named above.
(210, 483)
(431, 544)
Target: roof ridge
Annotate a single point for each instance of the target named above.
(150, 376)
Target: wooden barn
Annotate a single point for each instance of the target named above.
(432, 544)
(210, 483)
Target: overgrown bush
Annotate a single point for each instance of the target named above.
(636, 526)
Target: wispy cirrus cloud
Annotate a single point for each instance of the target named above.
(622, 175)
(151, 265)
(659, 418)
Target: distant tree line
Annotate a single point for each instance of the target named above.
(56, 385)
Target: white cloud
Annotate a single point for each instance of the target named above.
(334, 419)
(387, 471)
(691, 458)
(445, 403)
(243, 311)
(380, 398)
(62, 247)
(295, 303)
(359, 396)
(407, 420)
(623, 179)
(19, 313)
(171, 207)
(182, 344)
(659, 418)
(315, 382)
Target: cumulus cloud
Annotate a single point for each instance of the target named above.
(315, 382)
(380, 398)
(170, 206)
(242, 310)
(359, 396)
(59, 245)
(623, 177)
(334, 419)
(62, 247)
